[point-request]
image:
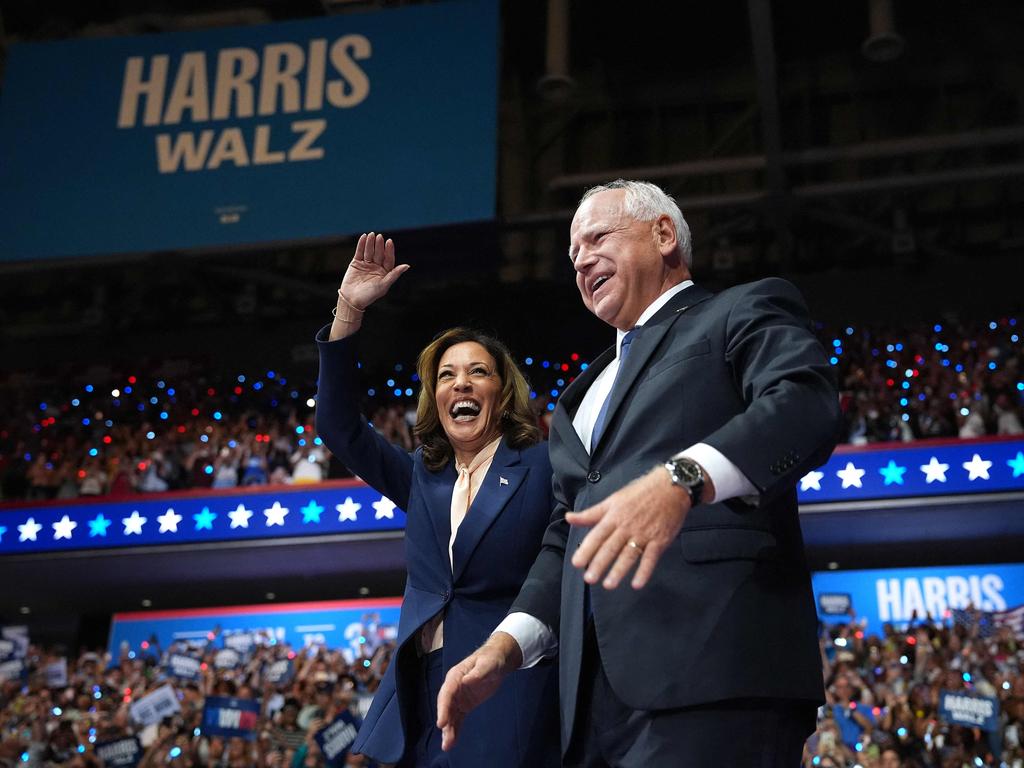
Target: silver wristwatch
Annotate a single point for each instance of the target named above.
(687, 474)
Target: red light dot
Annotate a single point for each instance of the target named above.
(127, 699)
(195, 411)
(131, 379)
(565, 366)
(890, 382)
(574, 357)
(291, 654)
(181, 429)
(238, 390)
(128, 691)
(142, 466)
(211, 391)
(853, 705)
(107, 439)
(859, 635)
(81, 473)
(911, 640)
(203, 666)
(876, 711)
(210, 635)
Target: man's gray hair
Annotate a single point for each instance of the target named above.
(646, 202)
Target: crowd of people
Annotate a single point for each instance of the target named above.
(884, 696)
(882, 711)
(133, 434)
(70, 723)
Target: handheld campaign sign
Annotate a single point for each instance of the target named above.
(57, 673)
(13, 669)
(230, 717)
(6, 649)
(123, 753)
(19, 636)
(184, 667)
(240, 641)
(336, 738)
(962, 708)
(278, 672)
(155, 706)
(834, 603)
(227, 658)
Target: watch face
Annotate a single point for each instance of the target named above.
(689, 473)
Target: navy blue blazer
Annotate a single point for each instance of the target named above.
(493, 551)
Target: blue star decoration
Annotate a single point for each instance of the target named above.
(98, 525)
(893, 473)
(1017, 464)
(311, 512)
(204, 519)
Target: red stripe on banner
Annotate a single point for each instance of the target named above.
(236, 610)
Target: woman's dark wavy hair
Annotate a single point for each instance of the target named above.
(518, 424)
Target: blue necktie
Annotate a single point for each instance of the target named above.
(603, 413)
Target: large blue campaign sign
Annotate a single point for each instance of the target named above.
(931, 469)
(304, 129)
(894, 595)
(230, 718)
(355, 626)
(304, 510)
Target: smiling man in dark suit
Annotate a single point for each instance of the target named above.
(675, 457)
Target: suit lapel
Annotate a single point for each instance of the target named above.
(438, 498)
(500, 484)
(570, 402)
(646, 342)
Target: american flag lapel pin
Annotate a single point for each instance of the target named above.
(502, 480)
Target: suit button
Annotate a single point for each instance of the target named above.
(446, 595)
(594, 476)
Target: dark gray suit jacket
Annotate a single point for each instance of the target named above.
(729, 612)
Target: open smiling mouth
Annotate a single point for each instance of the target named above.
(464, 410)
(598, 283)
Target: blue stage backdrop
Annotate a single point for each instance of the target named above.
(305, 129)
(356, 627)
(892, 595)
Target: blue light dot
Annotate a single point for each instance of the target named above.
(362, 639)
(1015, 338)
(899, 347)
(42, 406)
(1020, 386)
(533, 395)
(890, 348)
(408, 391)
(834, 360)
(366, 662)
(1013, 321)
(140, 407)
(992, 366)
(88, 387)
(197, 731)
(217, 415)
(57, 711)
(170, 393)
(177, 751)
(891, 363)
(204, 438)
(85, 421)
(528, 361)
(839, 350)
(160, 384)
(967, 677)
(131, 654)
(241, 379)
(81, 749)
(906, 385)
(554, 393)
(551, 406)
(905, 417)
(398, 367)
(849, 330)
(153, 401)
(371, 392)
(901, 732)
(545, 364)
(317, 441)
(163, 415)
(859, 747)
(959, 368)
(127, 389)
(271, 374)
(921, 397)
(937, 328)
(904, 401)
(25, 757)
(908, 373)
(965, 411)
(109, 423)
(258, 386)
(232, 444)
(946, 363)
(836, 343)
(299, 430)
(150, 435)
(97, 695)
(76, 402)
(992, 326)
(584, 366)
(816, 760)
(398, 391)
(560, 382)
(391, 382)
(415, 378)
(93, 452)
(208, 469)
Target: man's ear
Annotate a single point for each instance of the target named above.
(665, 235)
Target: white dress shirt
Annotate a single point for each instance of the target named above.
(537, 640)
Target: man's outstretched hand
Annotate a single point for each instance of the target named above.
(474, 680)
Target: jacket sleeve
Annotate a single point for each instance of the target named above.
(385, 467)
(792, 417)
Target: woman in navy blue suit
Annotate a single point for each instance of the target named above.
(477, 496)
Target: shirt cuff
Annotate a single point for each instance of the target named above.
(535, 638)
(729, 481)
